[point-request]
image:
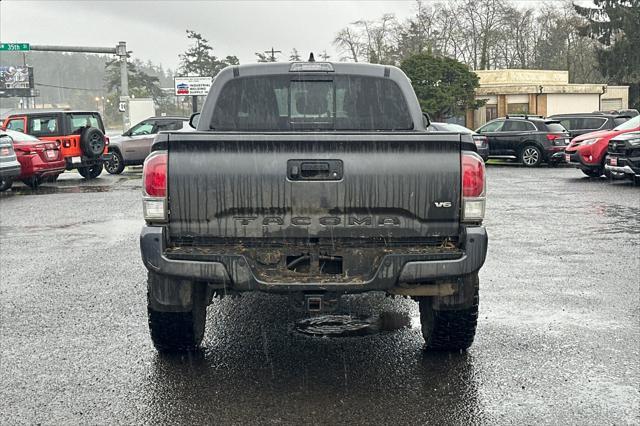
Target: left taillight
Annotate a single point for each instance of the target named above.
(154, 187)
(474, 187)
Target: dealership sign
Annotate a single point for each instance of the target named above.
(16, 81)
(192, 86)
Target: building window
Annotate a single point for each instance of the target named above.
(491, 112)
(518, 108)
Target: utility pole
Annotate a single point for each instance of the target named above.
(120, 50)
(273, 53)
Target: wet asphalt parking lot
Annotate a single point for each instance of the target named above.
(558, 338)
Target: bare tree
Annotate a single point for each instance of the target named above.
(377, 36)
(349, 42)
(484, 34)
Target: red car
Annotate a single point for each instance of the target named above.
(588, 152)
(38, 159)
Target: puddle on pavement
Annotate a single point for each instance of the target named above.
(56, 190)
(349, 325)
(621, 219)
(71, 186)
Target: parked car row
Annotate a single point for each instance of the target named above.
(39, 144)
(79, 136)
(597, 143)
(44, 143)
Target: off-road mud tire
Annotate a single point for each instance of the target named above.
(177, 331)
(449, 330)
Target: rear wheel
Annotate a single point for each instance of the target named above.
(531, 156)
(90, 172)
(115, 166)
(450, 330)
(177, 331)
(5, 184)
(596, 172)
(32, 182)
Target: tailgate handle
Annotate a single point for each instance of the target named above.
(314, 169)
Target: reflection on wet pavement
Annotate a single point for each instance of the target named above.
(349, 325)
(557, 339)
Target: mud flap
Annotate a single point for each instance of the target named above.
(462, 299)
(170, 294)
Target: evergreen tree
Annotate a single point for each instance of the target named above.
(199, 59)
(444, 86)
(615, 25)
(295, 56)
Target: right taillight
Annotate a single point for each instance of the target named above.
(473, 187)
(480, 140)
(154, 187)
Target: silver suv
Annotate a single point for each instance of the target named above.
(133, 146)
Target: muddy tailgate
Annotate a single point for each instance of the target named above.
(313, 186)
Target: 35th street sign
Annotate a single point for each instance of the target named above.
(15, 47)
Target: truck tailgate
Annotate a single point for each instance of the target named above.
(276, 187)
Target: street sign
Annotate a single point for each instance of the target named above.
(192, 86)
(15, 47)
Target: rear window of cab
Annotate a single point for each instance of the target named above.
(294, 103)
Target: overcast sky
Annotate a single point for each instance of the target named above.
(155, 30)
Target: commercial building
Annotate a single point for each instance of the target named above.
(541, 92)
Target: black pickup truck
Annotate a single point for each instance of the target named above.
(313, 180)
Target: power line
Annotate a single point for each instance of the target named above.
(70, 88)
(273, 53)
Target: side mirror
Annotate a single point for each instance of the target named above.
(194, 120)
(426, 120)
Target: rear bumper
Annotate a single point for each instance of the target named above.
(33, 165)
(233, 272)
(87, 162)
(10, 169)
